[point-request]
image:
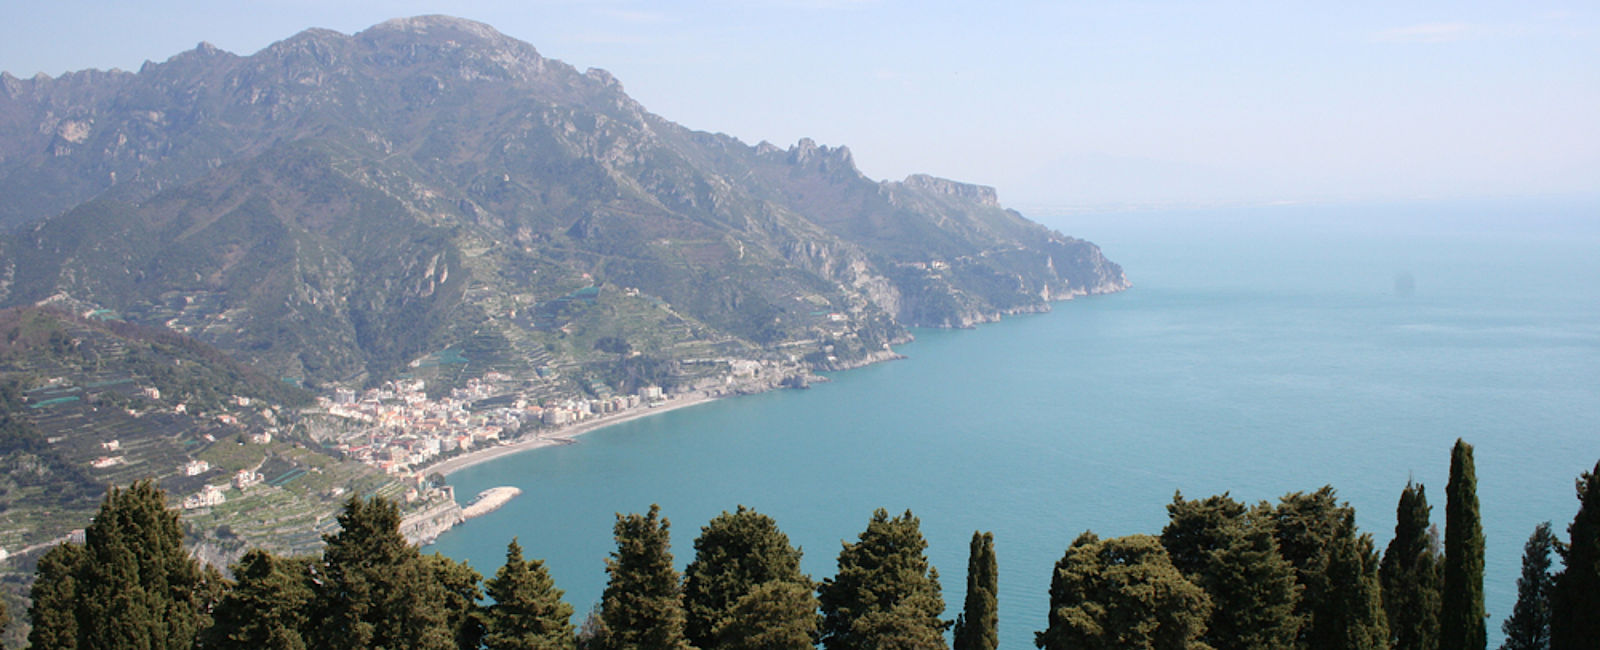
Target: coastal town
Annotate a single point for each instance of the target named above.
(400, 430)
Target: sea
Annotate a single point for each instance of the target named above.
(1261, 351)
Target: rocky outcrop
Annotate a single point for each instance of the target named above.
(979, 194)
(425, 525)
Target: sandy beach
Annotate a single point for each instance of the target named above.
(561, 436)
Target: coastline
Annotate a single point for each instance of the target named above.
(562, 436)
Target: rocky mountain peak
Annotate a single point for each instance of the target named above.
(980, 194)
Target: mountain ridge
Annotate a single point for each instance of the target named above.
(334, 208)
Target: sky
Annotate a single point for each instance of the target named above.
(1059, 105)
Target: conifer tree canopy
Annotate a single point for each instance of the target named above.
(1575, 602)
(1528, 626)
(528, 612)
(374, 590)
(267, 606)
(1410, 575)
(1461, 614)
(977, 628)
(1228, 551)
(1341, 601)
(885, 593)
(1122, 593)
(131, 585)
(642, 606)
(734, 555)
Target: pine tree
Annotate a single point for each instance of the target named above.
(1410, 575)
(977, 628)
(373, 590)
(1461, 614)
(267, 607)
(1575, 600)
(460, 583)
(1229, 552)
(1341, 601)
(55, 597)
(734, 554)
(642, 606)
(885, 593)
(1122, 593)
(528, 612)
(1528, 626)
(773, 615)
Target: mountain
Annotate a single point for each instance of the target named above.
(431, 198)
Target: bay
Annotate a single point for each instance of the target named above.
(1261, 351)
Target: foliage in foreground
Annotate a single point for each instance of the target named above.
(1221, 575)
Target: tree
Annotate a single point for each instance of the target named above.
(1410, 575)
(528, 612)
(1528, 626)
(1229, 552)
(267, 607)
(1341, 601)
(885, 593)
(55, 596)
(373, 589)
(461, 595)
(734, 555)
(777, 614)
(1461, 614)
(1122, 593)
(977, 627)
(642, 606)
(131, 585)
(1575, 600)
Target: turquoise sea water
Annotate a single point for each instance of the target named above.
(1261, 351)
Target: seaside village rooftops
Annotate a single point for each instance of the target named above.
(408, 430)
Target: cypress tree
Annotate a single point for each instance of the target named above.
(1461, 614)
(267, 607)
(642, 606)
(885, 593)
(1528, 626)
(1122, 593)
(734, 554)
(55, 598)
(1340, 600)
(1229, 552)
(1575, 602)
(1410, 575)
(528, 612)
(977, 628)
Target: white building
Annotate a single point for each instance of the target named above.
(196, 467)
(246, 478)
(209, 496)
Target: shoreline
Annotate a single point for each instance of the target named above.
(562, 436)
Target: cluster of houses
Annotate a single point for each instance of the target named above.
(405, 429)
(211, 495)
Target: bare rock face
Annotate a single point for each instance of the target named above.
(339, 207)
(979, 194)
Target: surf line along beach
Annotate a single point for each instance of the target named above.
(565, 435)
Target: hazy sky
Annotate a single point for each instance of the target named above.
(1054, 103)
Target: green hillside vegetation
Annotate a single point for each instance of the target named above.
(340, 209)
(1288, 565)
(87, 402)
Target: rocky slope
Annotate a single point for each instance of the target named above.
(431, 197)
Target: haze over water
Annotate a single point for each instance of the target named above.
(1261, 351)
